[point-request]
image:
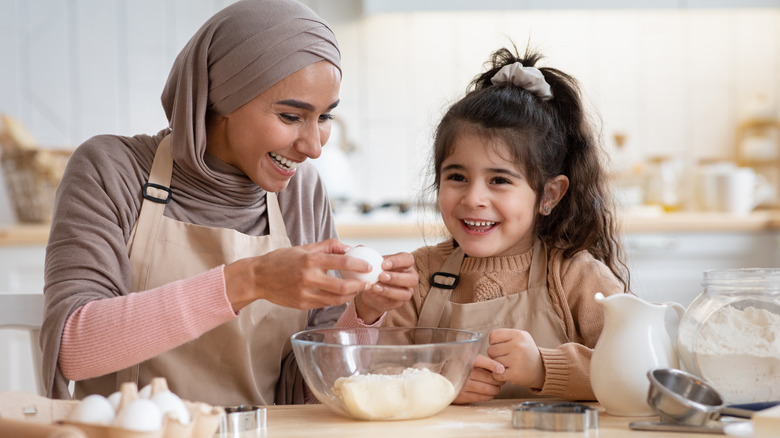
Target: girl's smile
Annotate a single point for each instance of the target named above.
(478, 226)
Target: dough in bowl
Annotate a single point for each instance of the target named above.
(415, 393)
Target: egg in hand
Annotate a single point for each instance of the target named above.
(373, 257)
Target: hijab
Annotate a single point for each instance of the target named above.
(237, 54)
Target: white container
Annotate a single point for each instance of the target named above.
(637, 337)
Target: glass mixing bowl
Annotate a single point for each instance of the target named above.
(386, 373)
(730, 334)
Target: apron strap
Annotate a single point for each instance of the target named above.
(442, 284)
(157, 194)
(276, 227)
(537, 275)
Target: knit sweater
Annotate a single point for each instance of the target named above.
(572, 283)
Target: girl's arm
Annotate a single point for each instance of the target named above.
(576, 281)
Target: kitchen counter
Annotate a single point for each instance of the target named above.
(489, 419)
(385, 227)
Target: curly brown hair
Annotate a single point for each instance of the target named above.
(547, 139)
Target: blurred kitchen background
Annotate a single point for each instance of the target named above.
(670, 82)
(686, 94)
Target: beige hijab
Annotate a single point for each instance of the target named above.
(237, 54)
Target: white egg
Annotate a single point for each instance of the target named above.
(373, 257)
(115, 398)
(167, 401)
(94, 409)
(145, 392)
(141, 415)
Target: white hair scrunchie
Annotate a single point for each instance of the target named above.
(528, 78)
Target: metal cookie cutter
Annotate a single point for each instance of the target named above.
(242, 421)
(555, 416)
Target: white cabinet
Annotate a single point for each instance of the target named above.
(21, 271)
(670, 266)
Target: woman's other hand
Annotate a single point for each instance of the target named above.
(517, 351)
(295, 277)
(394, 288)
(481, 384)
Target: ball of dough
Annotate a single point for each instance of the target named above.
(415, 393)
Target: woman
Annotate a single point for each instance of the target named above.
(217, 221)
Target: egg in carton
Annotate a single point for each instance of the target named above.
(154, 412)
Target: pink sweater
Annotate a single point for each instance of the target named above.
(183, 309)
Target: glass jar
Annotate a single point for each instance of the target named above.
(730, 334)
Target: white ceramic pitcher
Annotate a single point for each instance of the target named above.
(637, 336)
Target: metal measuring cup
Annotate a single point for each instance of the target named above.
(684, 402)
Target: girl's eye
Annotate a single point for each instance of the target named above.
(326, 117)
(500, 180)
(455, 177)
(289, 117)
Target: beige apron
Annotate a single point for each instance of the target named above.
(530, 310)
(237, 362)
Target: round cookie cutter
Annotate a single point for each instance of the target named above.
(555, 416)
(243, 421)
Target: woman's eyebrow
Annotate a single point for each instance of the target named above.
(304, 105)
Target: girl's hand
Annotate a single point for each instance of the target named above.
(481, 384)
(295, 277)
(517, 351)
(395, 287)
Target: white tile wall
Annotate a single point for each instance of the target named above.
(675, 80)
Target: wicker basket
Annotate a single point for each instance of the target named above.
(31, 178)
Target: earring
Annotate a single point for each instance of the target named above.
(546, 209)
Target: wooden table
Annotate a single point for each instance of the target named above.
(490, 419)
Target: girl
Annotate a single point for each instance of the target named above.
(521, 190)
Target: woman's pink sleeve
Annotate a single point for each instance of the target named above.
(108, 335)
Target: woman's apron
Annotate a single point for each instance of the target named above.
(235, 363)
(530, 310)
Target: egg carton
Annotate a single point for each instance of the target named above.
(204, 419)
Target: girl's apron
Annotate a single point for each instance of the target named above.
(530, 310)
(235, 363)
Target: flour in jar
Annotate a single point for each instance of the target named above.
(738, 352)
(415, 393)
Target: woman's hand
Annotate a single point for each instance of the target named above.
(481, 384)
(295, 277)
(394, 288)
(517, 351)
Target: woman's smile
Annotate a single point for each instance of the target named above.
(285, 165)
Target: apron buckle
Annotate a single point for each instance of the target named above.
(450, 284)
(153, 198)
